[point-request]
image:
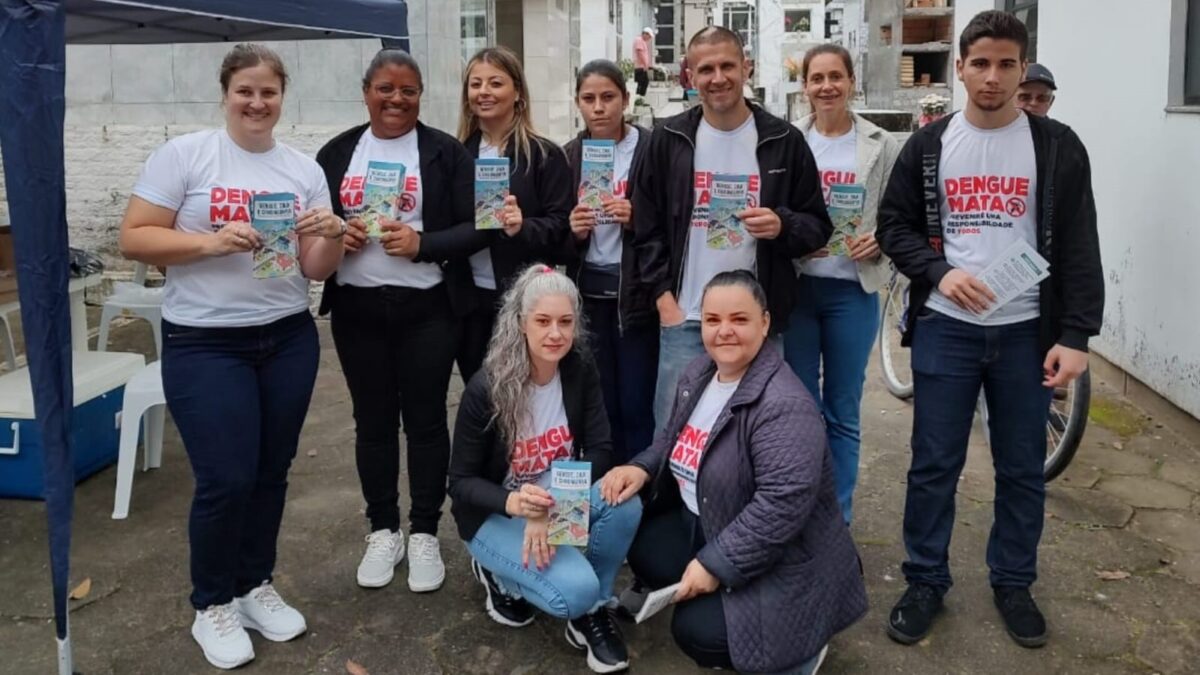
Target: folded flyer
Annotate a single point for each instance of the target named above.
(846, 211)
(491, 187)
(730, 196)
(596, 175)
(1018, 269)
(656, 602)
(570, 487)
(274, 218)
(381, 195)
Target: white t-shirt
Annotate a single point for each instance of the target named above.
(208, 180)
(546, 438)
(729, 152)
(693, 440)
(837, 163)
(481, 261)
(371, 266)
(988, 196)
(604, 247)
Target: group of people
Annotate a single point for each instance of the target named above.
(715, 390)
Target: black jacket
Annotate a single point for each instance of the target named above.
(545, 196)
(479, 460)
(635, 304)
(447, 210)
(790, 186)
(910, 229)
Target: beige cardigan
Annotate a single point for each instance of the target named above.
(876, 153)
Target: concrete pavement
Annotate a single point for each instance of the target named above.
(1128, 504)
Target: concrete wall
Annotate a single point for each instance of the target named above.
(599, 40)
(552, 55)
(1145, 166)
(883, 60)
(123, 101)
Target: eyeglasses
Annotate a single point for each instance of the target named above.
(1035, 98)
(388, 91)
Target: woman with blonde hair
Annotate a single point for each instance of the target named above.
(537, 400)
(496, 122)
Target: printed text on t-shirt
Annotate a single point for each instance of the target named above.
(685, 458)
(532, 456)
(976, 202)
(703, 185)
(830, 178)
(232, 205)
(351, 194)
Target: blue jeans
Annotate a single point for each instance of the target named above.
(677, 347)
(627, 363)
(828, 343)
(239, 397)
(576, 582)
(951, 360)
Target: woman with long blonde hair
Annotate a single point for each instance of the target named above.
(496, 122)
(537, 401)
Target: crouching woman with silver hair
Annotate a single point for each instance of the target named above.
(538, 400)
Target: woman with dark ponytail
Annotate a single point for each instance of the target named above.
(619, 309)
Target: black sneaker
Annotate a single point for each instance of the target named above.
(1024, 621)
(504, 609)
(913, 615)
(631, 600)
(599, 635)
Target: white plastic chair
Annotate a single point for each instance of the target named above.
(143, 398)
(6, 334)
(139, 301)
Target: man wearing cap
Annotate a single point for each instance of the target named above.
(1036, 93)
(642, 61)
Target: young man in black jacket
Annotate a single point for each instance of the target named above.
(965, 190)
(676, 247)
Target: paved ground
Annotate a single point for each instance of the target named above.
(1128, 504)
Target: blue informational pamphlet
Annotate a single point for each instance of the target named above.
(730, 196)
(491, 187)
(571, 488)
(381, 195)
(273, 216)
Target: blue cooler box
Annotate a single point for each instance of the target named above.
(100, 379)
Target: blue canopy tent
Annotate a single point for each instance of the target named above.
(33, 35)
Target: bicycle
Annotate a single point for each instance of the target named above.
(1069, 405)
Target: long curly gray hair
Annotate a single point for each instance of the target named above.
(507, 362)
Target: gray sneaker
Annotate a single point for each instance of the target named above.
(385, 550)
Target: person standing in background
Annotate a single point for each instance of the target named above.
(643, 60)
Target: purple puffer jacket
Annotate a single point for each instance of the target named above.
(790, 575)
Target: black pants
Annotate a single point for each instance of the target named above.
(642, 78)
(664, 545)
(628, 365)
(475, 329)
(397, 346)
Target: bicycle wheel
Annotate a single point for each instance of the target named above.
(1065, 426)
(894, 359)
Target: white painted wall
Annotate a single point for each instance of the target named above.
(1145, 172)
(598, 34)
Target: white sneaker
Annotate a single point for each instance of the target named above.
(425, 569)
(385, 550)
(264, 611)
(218, 630)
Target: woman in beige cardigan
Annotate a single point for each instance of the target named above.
(833, 325)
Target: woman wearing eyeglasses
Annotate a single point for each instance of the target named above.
(395, 304)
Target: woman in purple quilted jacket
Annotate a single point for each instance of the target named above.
(740, 504)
